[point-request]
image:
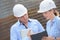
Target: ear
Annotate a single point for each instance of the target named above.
(52, 11)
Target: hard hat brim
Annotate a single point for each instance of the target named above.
(40, 11)
(20, 15)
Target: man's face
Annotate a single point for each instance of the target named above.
(24, 18)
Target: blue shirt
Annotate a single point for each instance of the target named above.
(17, 27)
(53, 27)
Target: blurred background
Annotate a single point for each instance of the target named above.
(7, 19)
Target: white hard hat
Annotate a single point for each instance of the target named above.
(19, 10)
(46, 5)
(48, 0)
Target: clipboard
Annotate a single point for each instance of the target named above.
(39, 36)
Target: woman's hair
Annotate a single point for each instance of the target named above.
(56, 13)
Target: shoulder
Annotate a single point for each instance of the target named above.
(48, 22)
(58, 20)
(34, 21)
(14, 26)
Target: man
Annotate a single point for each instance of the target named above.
(24, 27)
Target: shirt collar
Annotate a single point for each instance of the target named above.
(29, 20)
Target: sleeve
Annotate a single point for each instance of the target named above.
(40, 27)
(13, 35)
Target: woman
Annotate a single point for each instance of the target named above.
(48, 9)
(24, 27)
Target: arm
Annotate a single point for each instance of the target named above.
(40, 27)
(13, 35)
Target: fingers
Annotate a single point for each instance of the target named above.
(58, 38)
(44, 38)
(47, 38)
(29, 32)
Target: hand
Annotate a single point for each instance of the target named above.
(29, 34)
(44, 38)
(58, 38)
(47, 38)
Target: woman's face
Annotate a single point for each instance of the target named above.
(48, 14)
(24, 18)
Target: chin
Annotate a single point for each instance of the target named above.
(25, 21)
(47, 18)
